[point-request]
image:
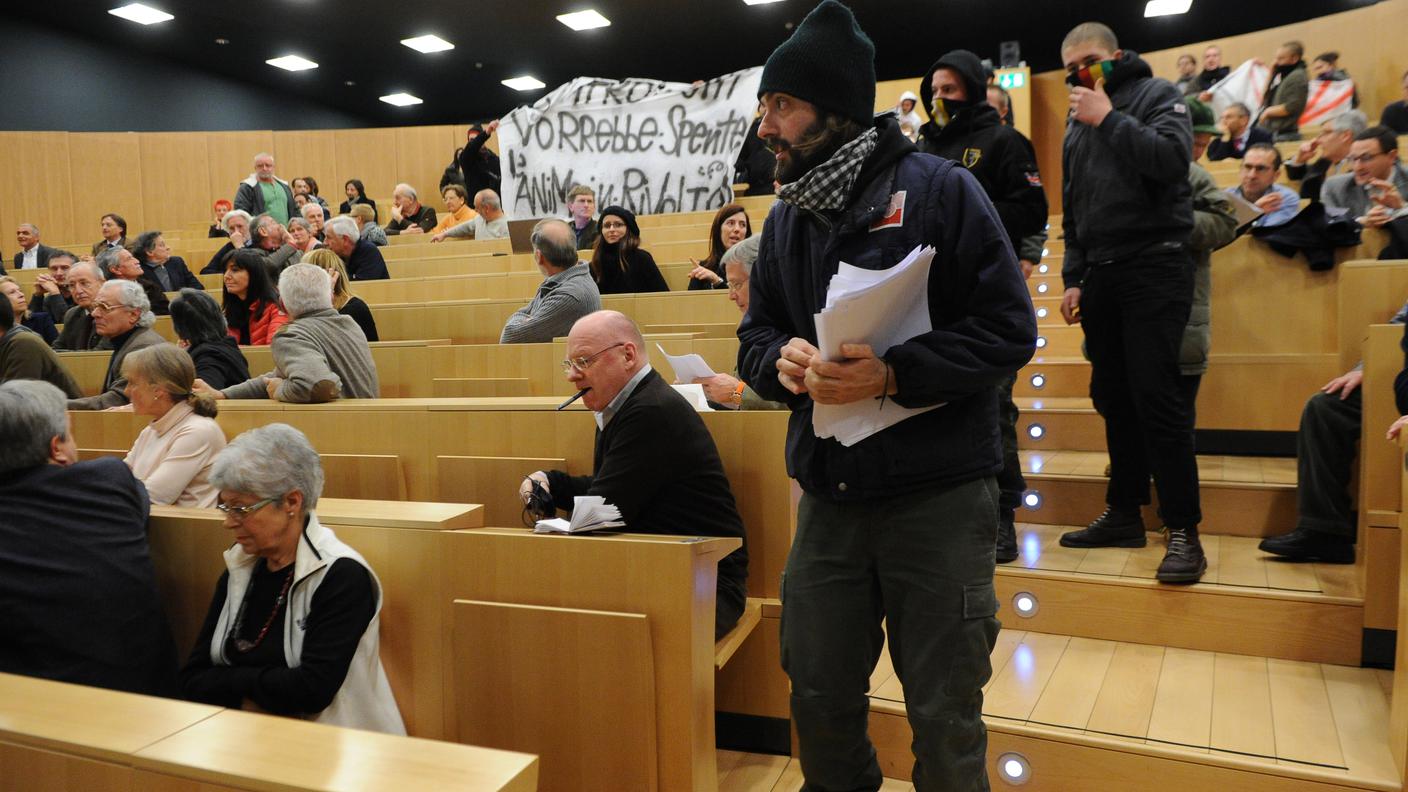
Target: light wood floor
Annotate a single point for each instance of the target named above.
(1227, 469)
(1232, 561)
(1277, 711)
(747, 772)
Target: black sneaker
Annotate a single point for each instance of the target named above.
(1184, 561)
(1006, 541)
(1113, 528)
(1303, 544)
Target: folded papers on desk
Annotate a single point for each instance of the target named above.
(589, 513)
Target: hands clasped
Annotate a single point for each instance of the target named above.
(860, 375)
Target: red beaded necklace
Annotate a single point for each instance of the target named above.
(243, 646)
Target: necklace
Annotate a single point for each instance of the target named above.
(244, 646)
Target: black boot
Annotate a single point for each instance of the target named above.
(1006, 540)
(1183, 561)
(1113, 528)
(1303, 544)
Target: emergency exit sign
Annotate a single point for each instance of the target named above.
(1012, 80)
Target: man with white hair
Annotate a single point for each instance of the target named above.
(118, 263)
(76, 578)
(490, 222)
(363, 260)
(1333, 144)
(313, 213)
(123, 316)
(32, 255)
(84, 280)
(407, 214)
(265, 193)
(319, 356)
(236, 224)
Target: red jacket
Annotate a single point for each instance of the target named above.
(263, 324)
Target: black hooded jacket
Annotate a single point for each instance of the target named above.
(1000, 157)
(1125, 182)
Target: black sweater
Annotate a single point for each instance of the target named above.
(219, 363)
(640, 274)
(362, 315)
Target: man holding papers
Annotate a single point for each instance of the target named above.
(897, 521)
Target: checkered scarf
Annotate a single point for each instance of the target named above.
(825, 187)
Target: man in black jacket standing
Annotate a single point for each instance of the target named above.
(1129, 282)
(965, 128)
(900, 525)
(478, 164)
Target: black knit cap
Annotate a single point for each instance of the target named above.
(625, 214)
(828, 61)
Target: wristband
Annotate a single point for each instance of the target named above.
(738, 392)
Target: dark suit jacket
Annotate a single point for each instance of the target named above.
(77, 585)
(180, 274)
(658, 464)
(1311, 177)
(114, 383)
(1221, 149)
(366, 263)
(43, 259)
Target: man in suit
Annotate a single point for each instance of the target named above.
(119, 264)
(123, 316)
(169, 271)
(1241, 135)
(32, 255)
(675, 487)
(1375, 192)
(77, 585)
(1332, 144)
(84, 280)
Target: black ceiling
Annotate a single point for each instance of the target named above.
(359, 41)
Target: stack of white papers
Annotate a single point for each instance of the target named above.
(589, 513)
(687, 367)
(881, 308)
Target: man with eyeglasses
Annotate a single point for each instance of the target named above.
(566, 294)
(654, 458)
(123, 316)
(1374, 192)
(1260, 166)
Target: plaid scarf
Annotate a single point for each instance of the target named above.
(825, 187)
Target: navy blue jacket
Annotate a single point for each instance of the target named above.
(366, 263)
(984, 326)
(178, 272)
(1220, 149)
(42, 322)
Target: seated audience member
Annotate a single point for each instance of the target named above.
(489, 221)
(457, 202)
(619, 266)
(78, 335)
(307, 186)
(173, 454)
(32, 255)
(77, 585)
(300, 235)
(909, 118)
(249, 300)
(114, 230)
(156, 260)
(476, 163)
(566, 294)
(51, 289)
(24, 355)
(1187, 82)
(1375, 191)
(38, 321)
(286, 569)
(1395, 114)
(320, 356)
(581, 205)
(265, 193)
(346, 303)
(214, 353)
(217, 229)
(1261, 165)
(1286, 95)
(363, 260)
(408, 215)
(1241, 134)
(123, 316)
(675, 487)
(299, 201)
(1333, 145)
(119, 264)
(369, 230)
(727, 390)
(1213, 71)
(274, 241)
(730, 226)
(237, 229)
(315, 221)
(357, 194)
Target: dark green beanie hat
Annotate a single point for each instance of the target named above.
(828, 61)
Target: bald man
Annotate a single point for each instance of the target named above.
(265, 193)
(676, 487)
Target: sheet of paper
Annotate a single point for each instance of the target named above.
(687, 367)
(694, 394)
(1245, 210)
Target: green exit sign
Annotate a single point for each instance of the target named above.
(1011, 80)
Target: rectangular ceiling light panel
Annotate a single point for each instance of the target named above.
(584, 20)
(760, 2)
(292, 63)
(401, 99)
(142, 15)
(525, 83)
(1156, 8)
(428, 44)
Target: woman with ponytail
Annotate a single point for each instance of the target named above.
(619, 266)
(173, 455)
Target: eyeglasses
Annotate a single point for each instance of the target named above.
(581, 364)
(105, 307)
(241, 512)
(737, 286)
(1364, 158)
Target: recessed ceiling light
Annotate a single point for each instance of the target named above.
(292, 63)
(142, 15)
(1156, 8)
(584, 20)
(401, 99)
(525, 83)
(428, 44)
(760, 2)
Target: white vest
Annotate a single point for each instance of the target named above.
(365, 700)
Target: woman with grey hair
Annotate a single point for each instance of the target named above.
(294, 623)
(302, 233)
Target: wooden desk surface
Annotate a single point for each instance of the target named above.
(263, 753)
(375, 513)
(393, 405)
(86, 721)
(715, 546)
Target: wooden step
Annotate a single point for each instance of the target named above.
(750, 772)
(1049, 375)
(1248, 602)
(1065, 423)
(1106, 716)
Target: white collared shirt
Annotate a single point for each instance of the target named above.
(609, 411)
(31, 258)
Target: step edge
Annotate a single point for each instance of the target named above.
(1200, 589)
(1075, 477)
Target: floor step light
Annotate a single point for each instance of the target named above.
(1038, 381)
(1036, 431)
(1041, 313)
(1041, 288)
(1025, 604)
(1031, 500)
(1013, 769)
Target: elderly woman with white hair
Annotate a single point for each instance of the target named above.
(123, 316)
(319, 356)
(727, 390)
(294, 624)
